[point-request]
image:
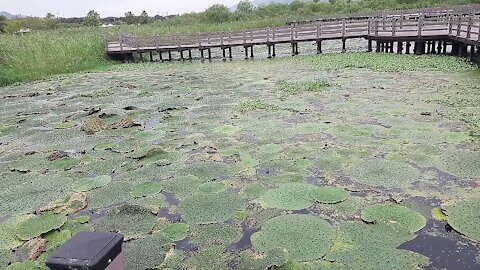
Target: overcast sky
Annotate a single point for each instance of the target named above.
(79, 8)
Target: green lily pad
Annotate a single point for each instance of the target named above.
(147, 253)
(92, 183)
(64, 125)
(130, 220)
(113, 193)
(6, 257)
(386, 173)
(253, 191)
(152, 202)
(212, 187)
(177, 231)
(293, 196)
(464, 217)
(145, 189)
(208, 171)
(104, 146)
(26, 265)
(82, 219)
(182, 187)
(396, 215)
(304, 237)
(329, 195)
(56, 238)
(373, 246)
(37, 225)
(460, 163)
(8, 239)
(216, 234)
(210, 208)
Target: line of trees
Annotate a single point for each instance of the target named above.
(245, 11)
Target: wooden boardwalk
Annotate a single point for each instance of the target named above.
(456, 34)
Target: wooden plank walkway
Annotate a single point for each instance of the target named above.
(456, 32)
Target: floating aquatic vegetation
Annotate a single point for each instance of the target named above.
(228, 129)
(464, 217)
(182, 187)
(210, 208)
(26, 265)
(381, 172)
(257, 104)
(6, 257)
(74, 226)
(147, 253)
(130, 220)
(329, 195)
(176, 232)
(300, 87)
(460, 163)
(104, 146)
(217, 233)
(260, 260)
(70, 205)
(253, 191)
(113, 193)
(88, 184)
(304, 237)
(35, 226)
(146, 189)
(207, 171)
(438, 214)
(394, 215)
(373, 246)
(298, 196)
(153, 202)
(8, 239)
(56, 238)
(64, 125)
(294, 196)
(212, 187)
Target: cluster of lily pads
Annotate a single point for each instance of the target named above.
(230, 166)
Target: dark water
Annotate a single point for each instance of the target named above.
(244, 243)
(446, 250)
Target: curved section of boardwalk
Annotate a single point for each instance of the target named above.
(456, 34)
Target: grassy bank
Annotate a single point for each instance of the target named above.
(46, 53)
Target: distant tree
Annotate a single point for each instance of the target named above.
(218, 14)
(144, 18)
(244, 9)
(3, 24)
(92, 18)
(130, 18)
(50, 21)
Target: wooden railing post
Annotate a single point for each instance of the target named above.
(459, 25)
(368, 26)
(268, 35)
(296, 30)
(251, 34)
(469, 27)
(376, 27)
(394, 27)
(291, 32)
(450, 25)
(420, 25)
(273, 34)
(121, 43)
(221, 38)
(344, 28)
(244, 37)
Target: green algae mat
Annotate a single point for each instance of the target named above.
(340, 161)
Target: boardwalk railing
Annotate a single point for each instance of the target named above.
(459, 26)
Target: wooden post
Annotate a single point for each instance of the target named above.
(377, 46)
(318, 30)
(274, 54)
(394, 27)
(202, 54)
(409, 45)
(369, 46)
(459, 26)
(251, 52)
(368, 26)
(399, 47)
(344, 28)
(469, 27)
(268, 35)
(444, 48)
(209, 53)
(190, 54)
(181, 55)
(319, 46)
(472, 53)
(376, 27)
(450, 25)
(244, 37)
(246, 52)
(160, 55)
(420, 25)
(269, 51)
(151, 56)
(230, 52)
(169, 55)
(291, 33)
(251, 34)
(224, 54)
(344, 45)
(273, 34)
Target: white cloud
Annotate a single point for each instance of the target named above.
(79, 8)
